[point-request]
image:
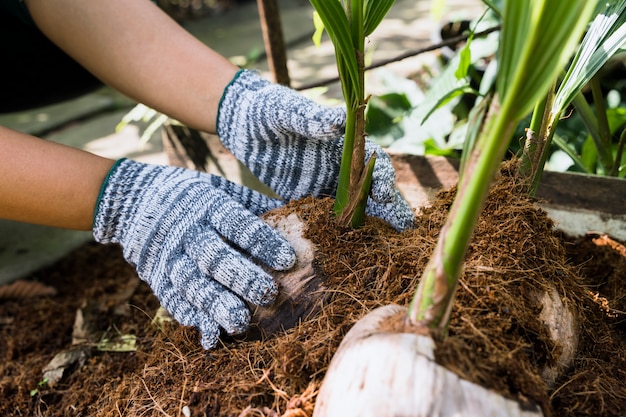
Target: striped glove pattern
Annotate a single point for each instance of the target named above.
(179, 229)
(294, 145)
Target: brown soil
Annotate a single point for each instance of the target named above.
(494, 336)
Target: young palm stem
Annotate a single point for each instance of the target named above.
(350, 200)
(538, 139)
(432, 301)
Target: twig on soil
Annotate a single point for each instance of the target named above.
(277, 390)
(154, 401)
(182, 397)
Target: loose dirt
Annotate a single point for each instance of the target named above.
(494, 336)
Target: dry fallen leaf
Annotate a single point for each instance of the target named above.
(63, 361)
(22, 289)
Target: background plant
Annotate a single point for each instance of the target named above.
(604, 37)
(451, 98)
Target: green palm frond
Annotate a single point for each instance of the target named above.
(605, 36)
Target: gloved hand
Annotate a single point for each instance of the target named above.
(179, 229)
(294, 145)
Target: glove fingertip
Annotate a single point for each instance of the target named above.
(269, 295)
(209, 340)
(284, 258)
(328, 124)
(237, 322)
(210, 332)
(262, 290)
(383, 192)
(339, 119)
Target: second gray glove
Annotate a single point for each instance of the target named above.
(294, 145)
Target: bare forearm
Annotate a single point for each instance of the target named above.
(46, 183)
(136, 48)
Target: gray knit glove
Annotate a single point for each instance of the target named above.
(179, 229)
(294, 145)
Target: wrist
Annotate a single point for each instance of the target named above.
(230, 83)
(103, 186)
(117, 197)
(238, 96)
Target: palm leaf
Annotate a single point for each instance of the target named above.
(375, 11)
(606, 35)
(545, 50)
(337, 25)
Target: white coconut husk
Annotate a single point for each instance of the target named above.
(564, 329)
(382, 373)
(300, 288)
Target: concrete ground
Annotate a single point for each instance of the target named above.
(89, 122)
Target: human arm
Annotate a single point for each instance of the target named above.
(137, 49)
(290, 143)
(47, 183)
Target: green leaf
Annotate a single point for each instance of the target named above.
(465, 59)
(445, 87)
(382, 113)
(571, 152)
(589, 155)
(433, 148)
(515, 32)
(319, 29)
(338, 28)
(375, 11)
(465, 55)
(606, 34)
(383, 110)
(454, 80)
(531, 39)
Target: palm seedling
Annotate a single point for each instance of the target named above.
(348, 23)
(605, 36)
(537, 39)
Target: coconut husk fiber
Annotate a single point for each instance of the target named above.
(494, 337)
